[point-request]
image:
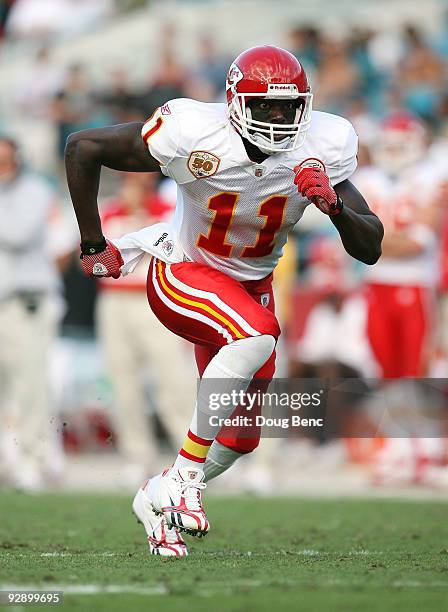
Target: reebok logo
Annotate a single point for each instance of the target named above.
(161, 239)
(168, 247)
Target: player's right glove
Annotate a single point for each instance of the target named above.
(101, 259)
(313, 183)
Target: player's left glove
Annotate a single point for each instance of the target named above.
(101, 259)
(313, 183)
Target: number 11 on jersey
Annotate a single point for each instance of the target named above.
(223, 205)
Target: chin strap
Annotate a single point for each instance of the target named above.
(260, 139)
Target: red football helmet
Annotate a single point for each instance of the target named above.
(401, 142)
(272, 73)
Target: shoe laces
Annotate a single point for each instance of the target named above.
(192, 494)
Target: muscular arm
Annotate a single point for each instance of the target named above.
(360, 229)
(119, 147)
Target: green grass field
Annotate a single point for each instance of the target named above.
(268, 554)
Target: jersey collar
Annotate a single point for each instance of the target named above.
(241, 159)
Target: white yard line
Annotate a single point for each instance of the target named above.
(88, 589)
(435, 584)
(71, 554)
(122, 589)
(304, 552)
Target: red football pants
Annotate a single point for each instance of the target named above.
(211, 309)
(398, 328)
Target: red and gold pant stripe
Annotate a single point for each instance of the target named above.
(197, 304)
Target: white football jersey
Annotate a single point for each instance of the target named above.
(232, 213)
(397, 202)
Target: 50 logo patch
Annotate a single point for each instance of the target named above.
(203, 164)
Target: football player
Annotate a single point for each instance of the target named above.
(401, 288)
(246, 171)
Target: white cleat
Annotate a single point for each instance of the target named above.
(163, 540)
(178, 497)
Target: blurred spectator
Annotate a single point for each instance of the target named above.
(42, 19)
(169, 79)
(337, 77)
(386, 48)
(199, 89)
(304, 42)
(39, 84)
(33, 96)
(371, 80)
(332, 340)
(421, 75)
(137, 347)
(212, 67)
(30, 309)
(167, 83)
(442, 117)
(119, 99)
(5, 7)
(74, 106)
(440, 41)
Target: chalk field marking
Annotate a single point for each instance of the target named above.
(435, 584)
(89, 589)
(70, 554)
(122, 589)
(305, 552)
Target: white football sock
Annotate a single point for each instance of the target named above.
(232, 368)
(219, 460)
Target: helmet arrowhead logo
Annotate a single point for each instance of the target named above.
(234, 76)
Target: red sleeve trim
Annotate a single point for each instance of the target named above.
(153, 130)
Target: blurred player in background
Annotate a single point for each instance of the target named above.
(135, 342)
(30, 309)
(404, 189)
(246, 172)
